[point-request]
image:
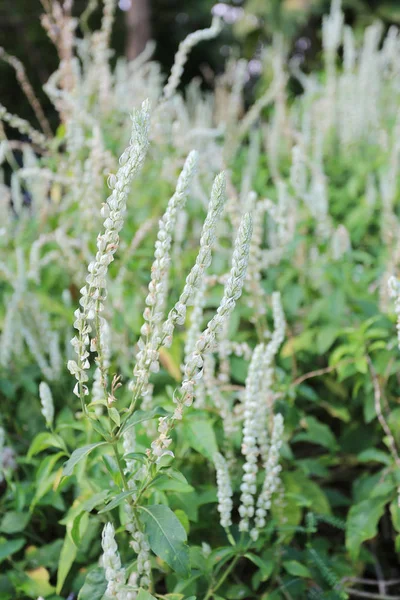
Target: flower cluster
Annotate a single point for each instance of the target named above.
(233, 290)
(224, 490)
(149, 343)
(94, 292)
(271, 481)
(115, 574)
(194, 365)
(46, 399)
(197, 273)
(141, 546)
(249, 442)
(183, 51)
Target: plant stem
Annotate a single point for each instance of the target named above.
(119, 463)
(214, 588)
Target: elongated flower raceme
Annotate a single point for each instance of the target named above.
(266, 396)
(224, 490)
(196, 276)
(94, 292)
(149, 343)
(394, 291)
(272, 479)
(46, 399)
(194, 366)
(115, 574)
(249, 443)
(183, 51)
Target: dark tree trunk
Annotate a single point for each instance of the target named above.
(137, 21)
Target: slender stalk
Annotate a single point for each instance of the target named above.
(213, 588)
(119, 464)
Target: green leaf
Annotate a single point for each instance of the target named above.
(79, 526)
(317, 433)
(95, 585)
(173, 481)
(142, 415)
(45, 477)
(200, 435)
(167, 537)
(43, 441)
(220, 556)
(144, 595)
(183, 518)
(67, 557)
(78, 455)
(325, 338)
(395, 512)
(297, 569)
(375, 455)
(95, 500)
(362, 523)
(266, 566)
(114, 415)
(9, 548)
(117, 500)
(14, 522)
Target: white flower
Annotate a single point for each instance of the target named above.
(115, 574)
(147, 357)
(46, 399)
(224, 490)
(183, 51)
(272, 479)
(94, 292)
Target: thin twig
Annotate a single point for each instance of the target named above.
(319, 372)
(379, 413)
(362, 581)
(380, 577)
(372, 596)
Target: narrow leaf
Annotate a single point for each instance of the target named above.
(142, 415)
(78, 455)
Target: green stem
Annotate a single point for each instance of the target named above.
(119, 463)
(212, 589)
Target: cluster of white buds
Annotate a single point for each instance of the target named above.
(196, 317)
(249, 443)
(340, 242)
(394, 291)
(46, 399)
(272, 479)
(332, 27)
(100, 377)
(160, 446)
(23, 127)
(253, 284)
(115, 574)
(224, 490)
(266, 395)
(298, 171)
(195, 278)
(129, 446)
(94, 292)
(232, 291)
(141, 546)
(183, 51)
(193, 367)
(149, 343)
